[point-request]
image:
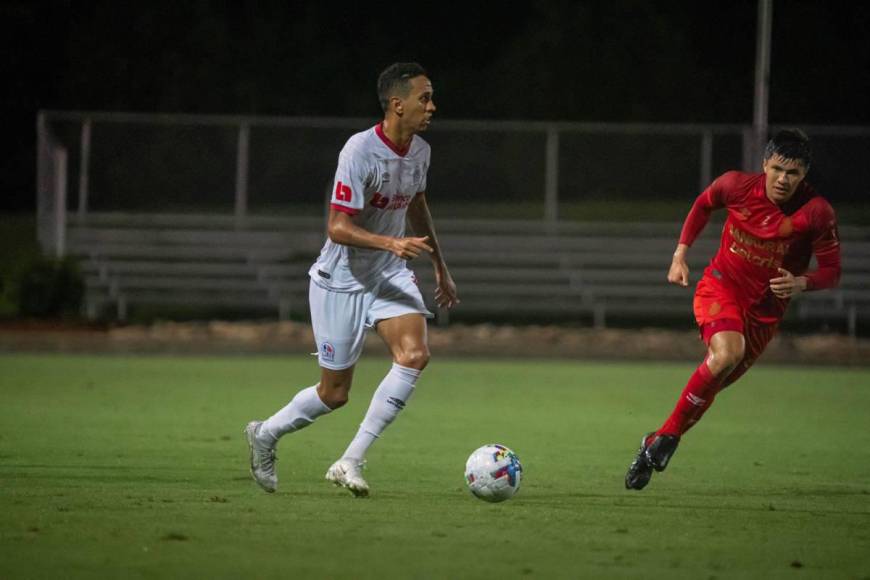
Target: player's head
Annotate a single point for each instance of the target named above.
(787, 159)
(790, 144)
(404, 90)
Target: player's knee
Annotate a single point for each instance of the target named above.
(414, 358)
(333, 396)
(724, 360)
(335, 399)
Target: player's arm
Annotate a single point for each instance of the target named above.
(694, 224)
(342, 230)
(826, 248)
(421, 222)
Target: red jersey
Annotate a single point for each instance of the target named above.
(760, 236)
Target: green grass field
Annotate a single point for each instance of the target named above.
(136, 467)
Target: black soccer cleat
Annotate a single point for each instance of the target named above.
(660, 451)
(652, 457)
(640, 471)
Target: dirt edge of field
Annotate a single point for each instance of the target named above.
(488, 340)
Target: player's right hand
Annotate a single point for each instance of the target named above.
(679, 272)
(410, 248)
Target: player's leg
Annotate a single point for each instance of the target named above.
(725, 350)
(405, 336)
(718, 371)
(398, 315)
(306, 406)
(758, 336)
(721, 323)
(339, 336)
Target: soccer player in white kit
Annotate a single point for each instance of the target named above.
(361, 279)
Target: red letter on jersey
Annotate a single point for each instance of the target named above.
(342, 192)
(379, 201)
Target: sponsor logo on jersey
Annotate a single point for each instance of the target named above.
(327, 352)
(342, 192)
(397, 201)
(323, 274)
(747, 239)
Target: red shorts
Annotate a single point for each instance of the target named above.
(718, 308)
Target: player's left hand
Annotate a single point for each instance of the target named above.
(445, 292)
(787, 285)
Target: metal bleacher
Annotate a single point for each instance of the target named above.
(505, 269)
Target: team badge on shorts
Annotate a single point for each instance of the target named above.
(327, 352)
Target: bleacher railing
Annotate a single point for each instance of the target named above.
(240, 165)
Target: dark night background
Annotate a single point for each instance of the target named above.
(626, 60)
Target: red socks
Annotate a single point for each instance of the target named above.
(694, 400)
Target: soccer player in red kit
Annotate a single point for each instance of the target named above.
(776, 222)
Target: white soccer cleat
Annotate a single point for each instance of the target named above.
(347, 473)
(262, 459)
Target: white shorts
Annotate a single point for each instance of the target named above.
(340, 319)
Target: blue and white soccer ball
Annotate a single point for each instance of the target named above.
(493, 473)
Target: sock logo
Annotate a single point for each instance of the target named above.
(397, 403)
(695, 399)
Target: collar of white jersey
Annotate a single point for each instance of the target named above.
(400, 151)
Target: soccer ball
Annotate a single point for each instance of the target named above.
(493, 473)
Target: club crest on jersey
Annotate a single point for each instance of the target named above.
(327, 352)
(385, 178)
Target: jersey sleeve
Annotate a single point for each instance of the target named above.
(826, 248)
(351, 176)
(425, 171)
(711, 198)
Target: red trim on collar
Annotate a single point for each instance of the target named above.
(401, 152)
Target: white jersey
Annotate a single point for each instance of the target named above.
(374, 183)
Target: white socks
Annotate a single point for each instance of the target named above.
(389, 398)
(299, 413)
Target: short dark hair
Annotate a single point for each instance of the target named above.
(396, 79)
(790, 144)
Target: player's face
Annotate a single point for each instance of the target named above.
(418, 107)
(782, 177)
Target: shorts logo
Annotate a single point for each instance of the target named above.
(327, 352)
